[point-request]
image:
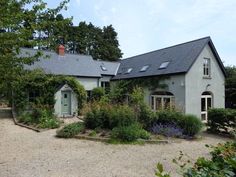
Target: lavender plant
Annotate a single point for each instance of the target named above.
(169, 130)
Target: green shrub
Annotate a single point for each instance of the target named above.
(97, 93)
(93, 119)
(222, 163)
(108, 117)
(27, 118)
(169, 117)
(121, 115)
(129, 133)
(146, 116)
(40, 117)
(49, 122)
(70, 130)
(221, 120)
(191, 125)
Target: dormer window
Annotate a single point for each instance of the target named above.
(206, 67)
(164, 65)
(144, 68)
(128, 70)
(103, 68)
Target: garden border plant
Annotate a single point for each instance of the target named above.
(47, 86)
(222, 163)
(221, 120)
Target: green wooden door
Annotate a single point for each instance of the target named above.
(66, 102)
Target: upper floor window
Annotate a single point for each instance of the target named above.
(103, 68)
(206, 67)
(164, 65)
(144, 68)
(128, 70)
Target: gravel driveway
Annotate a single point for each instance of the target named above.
(25, 153)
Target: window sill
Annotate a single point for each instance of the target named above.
(206, 77)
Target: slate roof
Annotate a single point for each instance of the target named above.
(108, 68)
(70, 64)
(180, 57)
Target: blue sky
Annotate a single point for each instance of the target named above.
(146, 25)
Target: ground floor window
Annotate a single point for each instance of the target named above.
(106, 86)
(162, 100)
(206, 104)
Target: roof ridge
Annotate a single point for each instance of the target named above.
(106, 61)
(66, 53)
(167, 47)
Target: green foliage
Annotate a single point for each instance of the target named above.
(20, 19)
(190, 124)
(137, 96)
(97, 93)
(123, 88)
(40, 117)
(221, 120)
(146, 116)
(230, 87)
(92, 40)
(129, 133)
(122, 115)
(70, 130)
(160, 171)
(222, 163)
(168, 117)
(93, 133)
(108, 117)
(46, 86)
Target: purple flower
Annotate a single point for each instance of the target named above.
(169, 130)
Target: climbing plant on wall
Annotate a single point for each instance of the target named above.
(122, 88)
(43, 87)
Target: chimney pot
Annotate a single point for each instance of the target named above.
(61, 50)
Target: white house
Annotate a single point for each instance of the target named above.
(194, 74)
(89, 72)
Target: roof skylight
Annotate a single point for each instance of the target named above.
(128, 70)
(164, 65)
(103, 68)
(144, 68)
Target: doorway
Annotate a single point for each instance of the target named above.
(66, 103)
(206, 104)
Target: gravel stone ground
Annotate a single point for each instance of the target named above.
(25, 153)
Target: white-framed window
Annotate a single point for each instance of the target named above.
(162, 100)
(207, 67)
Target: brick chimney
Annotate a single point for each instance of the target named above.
(61, 50)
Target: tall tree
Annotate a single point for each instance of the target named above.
(92, 40)
(19, 25)
(110, 44)
(230, 87)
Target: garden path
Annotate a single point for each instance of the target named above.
(25, 153)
